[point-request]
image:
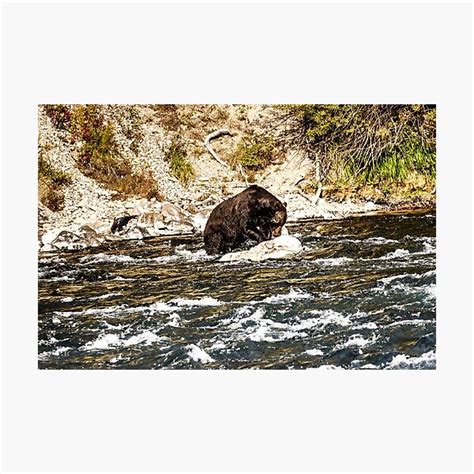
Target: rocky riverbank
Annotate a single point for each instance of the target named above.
(140, 219)
(93, 213)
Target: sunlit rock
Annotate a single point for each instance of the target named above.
(150, 224)
(68, 241)
(49, 236)
(281, 247)
(171, 213)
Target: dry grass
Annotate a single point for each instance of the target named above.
(51, 184)
(100, 159)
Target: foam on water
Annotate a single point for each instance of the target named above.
(408, 322)
(198, 355)
(398, 277)
(46, 260)
(293, 295)
(174, 320)
(402, 361)
(371, 326)
(253, 325)
(102, 342)
(371, 240)
(314, 352)
(181, 251)
(333, 261)
(217, 346)
(103, 297)
(356, 340)
(399, 253)
(161, 259)
(53, 353)
(107, 341)
(61, 278)
(102, 257)
(257, 328)
(156, 307)
(205, 301)
(327, 367)
(327, 317)
(430, 291)
(379, 240)
(146, 338)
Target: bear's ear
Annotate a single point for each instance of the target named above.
(284, 203)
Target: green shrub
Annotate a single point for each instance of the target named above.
(367, 142)
(255, 153)
(179, 165)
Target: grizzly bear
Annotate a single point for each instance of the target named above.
(253, 214)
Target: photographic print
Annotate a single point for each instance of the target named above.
(286, 236)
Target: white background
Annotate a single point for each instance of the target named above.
(237, 420)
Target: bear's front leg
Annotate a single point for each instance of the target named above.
(255, 234)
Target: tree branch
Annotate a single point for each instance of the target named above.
(207, 145)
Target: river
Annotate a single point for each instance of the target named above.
(361, 295)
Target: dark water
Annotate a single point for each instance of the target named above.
(360, 295)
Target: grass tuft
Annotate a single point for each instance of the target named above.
(180, 167)
(51, 184)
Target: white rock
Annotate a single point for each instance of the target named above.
(199, 220)
(280, 247)
(134, 234)
(49, 236)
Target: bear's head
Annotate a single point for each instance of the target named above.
(278, 221)
(270, 212)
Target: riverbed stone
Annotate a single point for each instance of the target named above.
(284, 246)
(68, 241)
(49, 236)
(170, 212)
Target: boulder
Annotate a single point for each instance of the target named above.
(171, 213)
(151, 219)
(199, 220)
(184, 227)
(100, 226)
(134, 233)
(44, 214)
(90, 237)
(49, 236)
(281, 247)
(68, 241)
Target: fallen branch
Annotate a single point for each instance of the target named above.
(302, 194)
(207, 145)
(241, 170)
(316, 197)
(318, 192)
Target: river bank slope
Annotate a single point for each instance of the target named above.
(147, 169)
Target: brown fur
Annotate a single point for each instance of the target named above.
(252, 214)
